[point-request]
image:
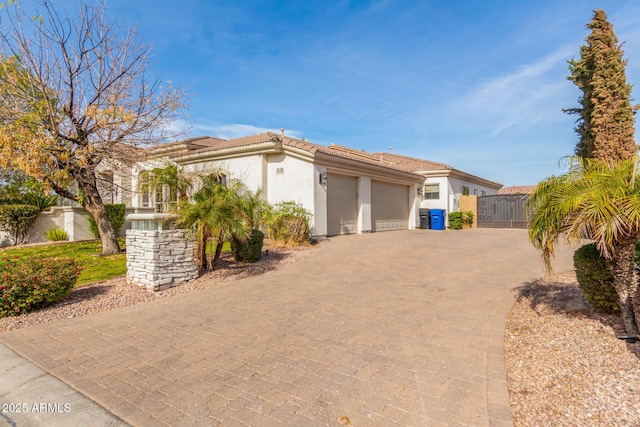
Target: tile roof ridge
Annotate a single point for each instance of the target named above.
(415, 159)
(362, 153)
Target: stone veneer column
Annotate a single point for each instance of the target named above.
(160, 259)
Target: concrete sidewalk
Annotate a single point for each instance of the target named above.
(397, 328)
(31, 397)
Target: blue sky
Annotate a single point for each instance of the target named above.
(479, 85)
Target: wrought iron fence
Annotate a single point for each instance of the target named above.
(503, 211)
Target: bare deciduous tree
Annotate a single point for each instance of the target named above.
(75, 92)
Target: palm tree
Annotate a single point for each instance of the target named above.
(171, 175)
(599, 201)
(253, 207)
(215, 212)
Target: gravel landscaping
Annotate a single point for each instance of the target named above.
(565, 364)
(116, 293)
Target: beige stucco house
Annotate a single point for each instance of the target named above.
(347, 190)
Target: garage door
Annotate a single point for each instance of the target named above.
(389, 206)
(342, 204)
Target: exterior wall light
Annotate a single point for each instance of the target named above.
(323, 179)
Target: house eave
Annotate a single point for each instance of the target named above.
(454, 173)
(340, 165)
(229, 153)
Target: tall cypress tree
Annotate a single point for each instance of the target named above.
(605, 125)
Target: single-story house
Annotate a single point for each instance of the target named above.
(347, 190)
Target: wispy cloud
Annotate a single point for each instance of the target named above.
(521, 98)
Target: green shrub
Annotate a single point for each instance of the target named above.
(115, 213)
(288, 223)
(467, 218)
(595, 279)
(250, 249)
(57, 235)
(32, 283)
(17, 220)
(455, 220)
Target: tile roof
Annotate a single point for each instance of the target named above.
(386, 160)
(214, 144)
(517, 189)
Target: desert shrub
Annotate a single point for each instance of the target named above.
(115, 213)
(250, 249)
(455, 220)
(288, 223)
(467, 218)
(595, 279)
(17, 220)
(32, 283)
(57, 235)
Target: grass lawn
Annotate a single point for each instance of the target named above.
(87, 253)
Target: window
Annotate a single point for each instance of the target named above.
(159, 200)
(145, 199)
(106, 187)
(483, 193)
(465, 191)
(475, 191)
(432, 191)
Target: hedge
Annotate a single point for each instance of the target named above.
(115, 213)
(17, 220)
(595, 279)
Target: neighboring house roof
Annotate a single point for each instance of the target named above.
(517, 189)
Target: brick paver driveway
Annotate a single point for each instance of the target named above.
(389, 328)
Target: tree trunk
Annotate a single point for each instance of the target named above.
(93, 204)
(203, 239)
(219, 244)
(625, 281)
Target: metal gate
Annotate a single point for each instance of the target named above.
(502, 211)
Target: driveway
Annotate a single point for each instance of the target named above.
(395, 328)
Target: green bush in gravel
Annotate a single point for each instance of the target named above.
(595, 279)
(27, 284)
(250, 249)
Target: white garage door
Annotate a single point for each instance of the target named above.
(342, 204)
(389, 206)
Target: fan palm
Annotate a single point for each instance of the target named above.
(178, 181)
(599, 201)
(215, 212)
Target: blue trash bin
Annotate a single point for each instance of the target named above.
(437, 219)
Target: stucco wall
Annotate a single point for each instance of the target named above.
(443, 201)
(291, 179)
(364, 204)
(319, 221)
(74, 220)
(247, 169)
